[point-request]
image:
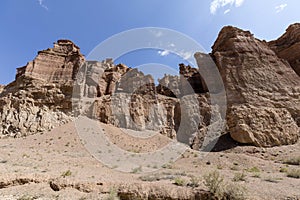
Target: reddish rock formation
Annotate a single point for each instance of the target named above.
(40, 97)
(57, 64)
(288, 46)
(259, 86)
(263, 93)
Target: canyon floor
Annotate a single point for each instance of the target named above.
(55, 165)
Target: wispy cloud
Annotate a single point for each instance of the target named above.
(216, 4)
(280, 7)
(163, 53)
(226, 11)
(186, 55)
(41, 2)
(157, 33)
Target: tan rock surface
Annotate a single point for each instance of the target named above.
(254, 75)
(1, 88)
(288, 46)
(40, 97)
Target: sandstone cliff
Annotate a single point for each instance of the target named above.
(40, 97)
(127, 98)
(263, 91)
(288, 46)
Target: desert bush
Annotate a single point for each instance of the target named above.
(215, 184)
(253, 170)
(66, 173)
(239, 177)
(113, 195)
(294, 173)
(179, 181)
(234, 192)
(194, 182)
(292, 161)
(283, 170)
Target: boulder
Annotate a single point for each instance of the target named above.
(253, 75)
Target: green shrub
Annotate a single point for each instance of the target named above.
(221, 190)
(253, 170)
(283, 170)
(66, 173)
(214, 182)
(179, 181)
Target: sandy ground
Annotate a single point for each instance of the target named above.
(56, 165)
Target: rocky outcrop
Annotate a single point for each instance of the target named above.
(263, 91)
(288, 46)
(189, 81)
(58, 64)
(133, 103)
(1, 88)
(40, 97)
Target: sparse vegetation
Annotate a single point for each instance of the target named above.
(167, 166)
(27, 197)
(239, 177)
(253, 170)
(283, 170)
(272, 179)
(113, 195)
(221, 190)
(179, 181)
(214, 182)
(293, 173)
(256, 175)
(235, 192)
(157, 177)
(136, 170)
(194, 182)
(66, 173)
(292, 161)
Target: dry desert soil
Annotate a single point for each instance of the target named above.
(56, 165)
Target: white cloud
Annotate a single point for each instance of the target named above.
(280, 7)
(216, 4)
(186, 55)
(41, 2)
(226, 11)
(163, 53)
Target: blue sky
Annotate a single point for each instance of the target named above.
(32, 25)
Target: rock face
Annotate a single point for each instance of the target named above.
(288, 46)
(57, 64)
(40, 97)
(1, 88)
(263, 91)
(131, 100)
